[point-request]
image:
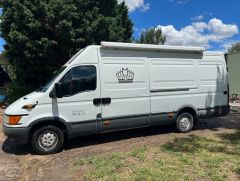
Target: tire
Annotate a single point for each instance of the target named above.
(47, 140)
(185, 122)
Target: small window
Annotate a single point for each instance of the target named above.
(79, 79)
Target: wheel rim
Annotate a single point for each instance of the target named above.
(185, 122)
(48, 140)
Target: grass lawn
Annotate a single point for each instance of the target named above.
(212, 157)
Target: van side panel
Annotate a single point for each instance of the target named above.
(173, 85)
(172, 74)
(200, 84)
(125, 81)
(213, 82)
(176, 81)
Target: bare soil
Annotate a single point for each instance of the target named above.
(21, 163)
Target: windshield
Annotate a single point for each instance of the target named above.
(53, 78)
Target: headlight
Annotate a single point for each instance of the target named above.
(12, 120)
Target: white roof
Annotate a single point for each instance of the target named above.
(213, 53)
(150, 47)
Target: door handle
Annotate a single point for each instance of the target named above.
(106, 101)
(97, 102)
(102, 101)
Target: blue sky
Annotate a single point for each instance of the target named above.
(213, 24)
(1, 40)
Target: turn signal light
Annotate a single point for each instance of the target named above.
(170, 114)
(106, 123)
(13, 120)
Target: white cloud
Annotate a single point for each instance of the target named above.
(182, 2)
(199, 33)
(179, 2)
(202, 16)
(228, 44)
(136, 4)
(198, 18)
(221, 30)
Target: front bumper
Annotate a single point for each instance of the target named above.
(20, 135)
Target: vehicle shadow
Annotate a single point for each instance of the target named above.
(232, 121)
(9, 146)
(118, 136)
(223, 149)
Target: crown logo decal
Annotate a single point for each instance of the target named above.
(125, 75)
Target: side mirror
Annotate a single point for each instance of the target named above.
(57, 91)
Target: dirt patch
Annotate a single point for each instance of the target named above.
(19, 163)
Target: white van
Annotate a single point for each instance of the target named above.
(118, 86)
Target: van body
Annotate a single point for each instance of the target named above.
(117, 86)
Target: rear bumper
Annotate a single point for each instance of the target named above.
(225, 110)
(20, 135)
(214, 112)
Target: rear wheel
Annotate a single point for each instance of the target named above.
(47, 139)
(184, 122)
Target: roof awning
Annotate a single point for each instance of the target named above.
(150, 47)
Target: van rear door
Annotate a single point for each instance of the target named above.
(124, 91)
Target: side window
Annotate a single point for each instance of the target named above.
(79, 79)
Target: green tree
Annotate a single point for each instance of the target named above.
(5, 63)
(152, 36)
(41, 35)
(235, 48)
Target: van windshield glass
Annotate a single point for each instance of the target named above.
(53, 78)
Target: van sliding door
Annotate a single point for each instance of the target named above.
(124, 91)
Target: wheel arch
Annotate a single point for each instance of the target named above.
(190, 109)
(55, 121)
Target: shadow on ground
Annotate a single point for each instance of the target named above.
(9, 146)
(221, 150)
(194, 143)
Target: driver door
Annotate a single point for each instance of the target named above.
(79, 86)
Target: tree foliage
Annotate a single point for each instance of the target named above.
(235, 48)
(5, 63)
(152, 36)
(41, 35)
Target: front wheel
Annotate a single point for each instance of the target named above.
(184, 122)
(47, 139)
